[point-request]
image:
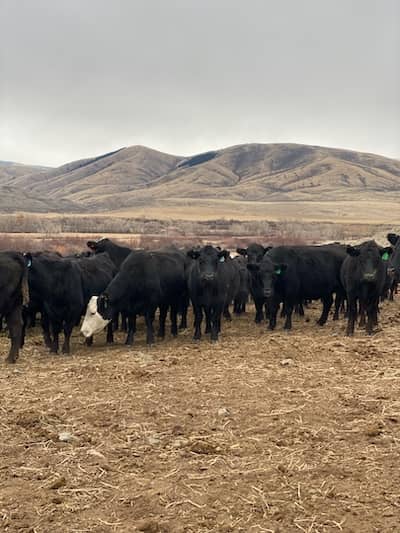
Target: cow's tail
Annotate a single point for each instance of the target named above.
(24, 280)
(25, 288)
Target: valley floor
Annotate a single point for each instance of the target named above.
(262, 432)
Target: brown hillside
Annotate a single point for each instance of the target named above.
(14, 199)
(138, 176)
(10, 171)
(124, 170)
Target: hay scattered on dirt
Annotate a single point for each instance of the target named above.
(185, 437)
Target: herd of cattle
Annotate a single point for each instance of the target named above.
(111, 285)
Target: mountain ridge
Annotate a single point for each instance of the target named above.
(137, 174)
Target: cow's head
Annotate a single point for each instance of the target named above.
(99, 246)
(393, 265)
(369, 258)
(93, 321)
(270, 273)
(254, 253)
(208, 259)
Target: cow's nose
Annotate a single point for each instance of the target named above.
(85, 332)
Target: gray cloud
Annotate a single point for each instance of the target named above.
(78, 78)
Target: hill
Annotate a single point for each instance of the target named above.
(139, 176)
(10, 170)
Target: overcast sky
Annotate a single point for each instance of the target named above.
(83, 77)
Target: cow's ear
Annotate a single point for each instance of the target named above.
(223, 254)
(241, 251)
(194, 254)
(267, 248)
(351, 250)
(386, 252)
(392, 238)
(280, 269)
(28, 259)
(91, 245)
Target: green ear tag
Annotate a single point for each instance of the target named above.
(385, 256)
(278, 271)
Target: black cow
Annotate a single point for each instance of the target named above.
(363, 278)
(254, 253)
(56, 288)
(293, 274)
(210, 280)
(242, 294)
(13, 295)
(146, 281)
(393, 265)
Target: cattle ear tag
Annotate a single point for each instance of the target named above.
(222, 259)
(278, 271)
(29, 264)
(385, 256)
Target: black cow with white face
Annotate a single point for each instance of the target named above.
(363, 277)
(145, 281)
(209, 282)
(254, 254)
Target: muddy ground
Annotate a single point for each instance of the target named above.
(263, 432)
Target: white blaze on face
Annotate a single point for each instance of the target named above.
(93, 321)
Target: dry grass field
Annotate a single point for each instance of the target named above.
(262, 432)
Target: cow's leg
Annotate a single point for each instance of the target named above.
(131, 330)
(89, 340)
(338, 304)
(208, 322)
(185, 305)
(288, 305)
(149, 317)
(352, 313)
(45, 322)
(124, 322)
(162, 318)
(14, 323)
(227, 313)
(56, 328)
(198, 318)
(110, 333)
(115, 322)
(362, 306)
(259, 304)
(372, 314)
(207, 312)
(215, 319)
(68, 327)
(327, 304)
(273, 312)
(173, 314)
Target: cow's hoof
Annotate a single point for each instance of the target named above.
(11, 361)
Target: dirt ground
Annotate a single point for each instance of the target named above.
(262, 432)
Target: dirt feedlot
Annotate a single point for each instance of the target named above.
(262, 432)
